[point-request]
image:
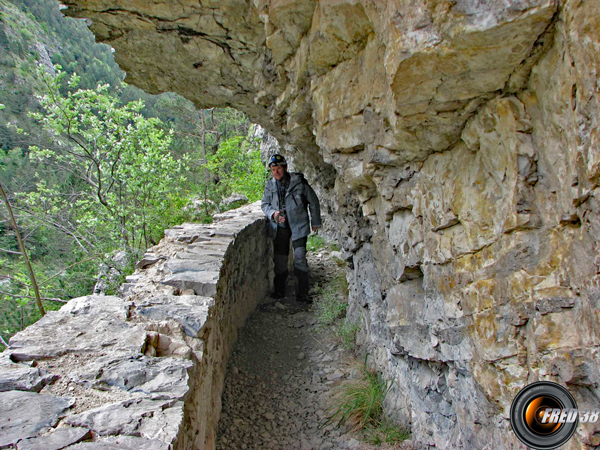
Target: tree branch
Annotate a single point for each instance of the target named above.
(63, 229)
(66, 268)
(10, 251)
(27, 296)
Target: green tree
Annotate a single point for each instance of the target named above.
(119, 181)
(237, 167)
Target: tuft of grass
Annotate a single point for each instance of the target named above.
(315, 243)
(329, 306)
(358, 404)
(347, 332)
(331, 300)
(385, 433)
(339, 262)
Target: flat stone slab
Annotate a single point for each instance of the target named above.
(24, 414)
(203, 283)
(148, 260)
(188, 234)
(190, 311)
(21, 377)
(194, 263)
(87, 324)
(151, 419)
(218, 243)
(57, 440)
(159, 378)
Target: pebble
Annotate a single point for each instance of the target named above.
(353, 443)
(335, 375)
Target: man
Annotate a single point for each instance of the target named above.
(286, 201)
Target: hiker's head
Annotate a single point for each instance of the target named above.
(278, 166)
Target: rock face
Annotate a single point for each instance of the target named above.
(147, 370)
(456, 146)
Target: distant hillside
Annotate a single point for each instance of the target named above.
(33, 32)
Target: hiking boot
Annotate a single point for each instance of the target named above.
(279, 286)
(302, 286)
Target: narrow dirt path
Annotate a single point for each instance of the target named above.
(279, 376)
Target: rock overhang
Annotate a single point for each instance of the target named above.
(399, 79)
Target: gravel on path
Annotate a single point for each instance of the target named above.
(279, 377)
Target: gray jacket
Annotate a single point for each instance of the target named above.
(298, 197)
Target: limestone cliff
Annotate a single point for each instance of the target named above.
(456, 145)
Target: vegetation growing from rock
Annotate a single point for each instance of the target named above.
(331, 300)
(315, 243)
(358, 405)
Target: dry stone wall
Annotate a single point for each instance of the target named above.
(147, 370)
(456, 148)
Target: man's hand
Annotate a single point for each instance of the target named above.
(277, 217)
(314, 229)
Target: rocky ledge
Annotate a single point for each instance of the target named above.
(145, 370)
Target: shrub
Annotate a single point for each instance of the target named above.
(26, 34)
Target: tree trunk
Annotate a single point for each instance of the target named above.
(206, 173)
(38, 297)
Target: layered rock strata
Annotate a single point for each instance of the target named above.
(456, 146)
(147, 370)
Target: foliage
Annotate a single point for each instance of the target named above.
(120, 178)
(315, 243)
(347, 332)
(238, 168)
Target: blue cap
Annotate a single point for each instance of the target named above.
(277, 160)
